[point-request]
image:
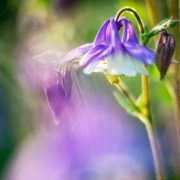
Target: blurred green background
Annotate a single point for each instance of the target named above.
(45, 24)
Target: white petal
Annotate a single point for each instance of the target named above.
(121, 64)
(139, 68)
(95, 67)
(126, 65)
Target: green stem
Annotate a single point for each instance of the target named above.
(131, 99)
(149, 128)
(154, 147)
(145, 95)
(140, 23)
(155, 150)
(145, 115)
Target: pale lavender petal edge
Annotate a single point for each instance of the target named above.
(76, 52)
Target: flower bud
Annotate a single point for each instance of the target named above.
(164, 52)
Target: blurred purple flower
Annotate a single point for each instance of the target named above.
(57, 88)
(92, 142)
(124, 56)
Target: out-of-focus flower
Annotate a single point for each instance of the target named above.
(111, 54)
(57, 88)
(89, 142)
(164, 52)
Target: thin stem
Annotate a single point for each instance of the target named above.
(140, 23)
(155, 150)
(149, 127)
(123, 90)
(154, 146)
(145, 95)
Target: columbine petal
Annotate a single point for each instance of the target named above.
(140, 52)
(96, 53)
(115, 38)
(74, 53)
(121, 64)
(101, 35)
(129, 35)
(97, 66)
(126, 65)
(139, 68)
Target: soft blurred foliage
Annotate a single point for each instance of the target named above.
(30, 29)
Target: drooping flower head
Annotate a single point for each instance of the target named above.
(113, 54)
(108, 53)
(164, 52)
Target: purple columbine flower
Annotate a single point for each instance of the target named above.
(108, 53)
(57, 88)
(113, 54)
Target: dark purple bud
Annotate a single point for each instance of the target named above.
(164, 52)
(58, 90)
